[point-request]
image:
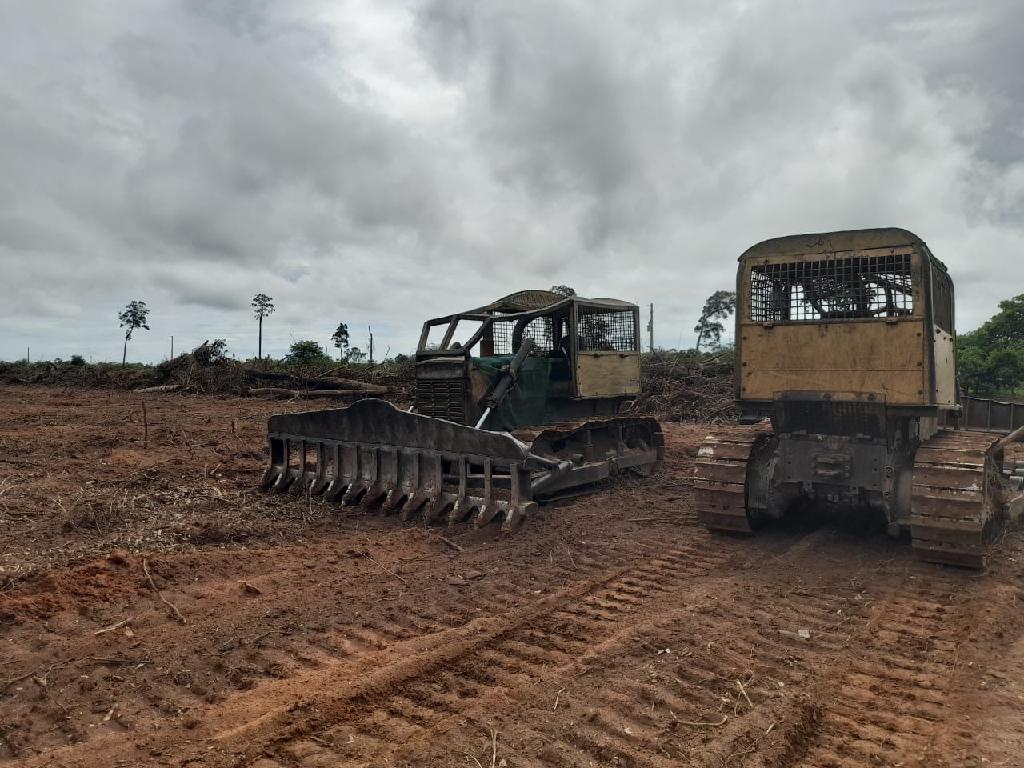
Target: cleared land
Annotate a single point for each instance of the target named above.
(155, 609)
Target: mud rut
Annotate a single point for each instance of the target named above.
(597, 637)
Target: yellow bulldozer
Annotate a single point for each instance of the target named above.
(515, 402)
(846, 380)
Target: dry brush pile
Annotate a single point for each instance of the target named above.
(677, 386)
(205, 370)
(687, 386)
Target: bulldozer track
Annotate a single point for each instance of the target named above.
(956, 498)
(720, 475)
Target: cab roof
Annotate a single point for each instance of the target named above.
(832, 242)
(533, 301)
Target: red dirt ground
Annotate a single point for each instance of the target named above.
(609, 631)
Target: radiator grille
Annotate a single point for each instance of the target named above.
(830, 418)
(442, 398)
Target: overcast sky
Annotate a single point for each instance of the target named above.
(380, 162)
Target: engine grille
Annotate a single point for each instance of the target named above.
(830, 418)
(442, 398)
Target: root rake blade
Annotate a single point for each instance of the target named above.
(438, 470)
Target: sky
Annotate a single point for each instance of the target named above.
(378, 163)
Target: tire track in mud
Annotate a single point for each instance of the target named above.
(572, 635)
(459, 671)
(890, 703)
(447, 607)
(710, 700)
(868, 687)
(831, 679)
(429, 611)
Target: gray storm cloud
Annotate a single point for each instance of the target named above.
(379, 163)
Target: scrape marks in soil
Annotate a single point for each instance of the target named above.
(891, 701)
(666, 690)
(463, 679)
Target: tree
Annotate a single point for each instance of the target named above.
(563, 290)
(1006, 329)
(355, 355)
(340, 340)
(132, 318)
(986, 371)
(262, 306)
(991, 358)
(306, 353)
(718, 306)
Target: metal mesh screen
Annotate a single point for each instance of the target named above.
(539, 329)
(601, 330)
(833, 289)
(503, 337)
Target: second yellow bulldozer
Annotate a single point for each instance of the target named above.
(847, 385)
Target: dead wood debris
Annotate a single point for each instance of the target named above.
(677, 386)
(174, 609)
(683, 386)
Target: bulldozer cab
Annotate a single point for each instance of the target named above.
(861, 315)
(584, 360)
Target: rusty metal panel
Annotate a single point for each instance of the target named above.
(604, 374)
(945, 368)
(376, 422)
(887, 358)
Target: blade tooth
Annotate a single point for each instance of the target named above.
(270, 475)
(396, 498)
(463, 508)
(283, 481)
(320, 480)
(298, 484)
(335, 490)
(412, 504)
(438, 505)
(488, 512)
(279, 472)
(516, 514)
(376, 492)
(354, 493)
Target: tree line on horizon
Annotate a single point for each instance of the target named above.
(709, 329)
(990, 358)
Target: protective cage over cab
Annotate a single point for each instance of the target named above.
(584, 361)
(850, 316)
